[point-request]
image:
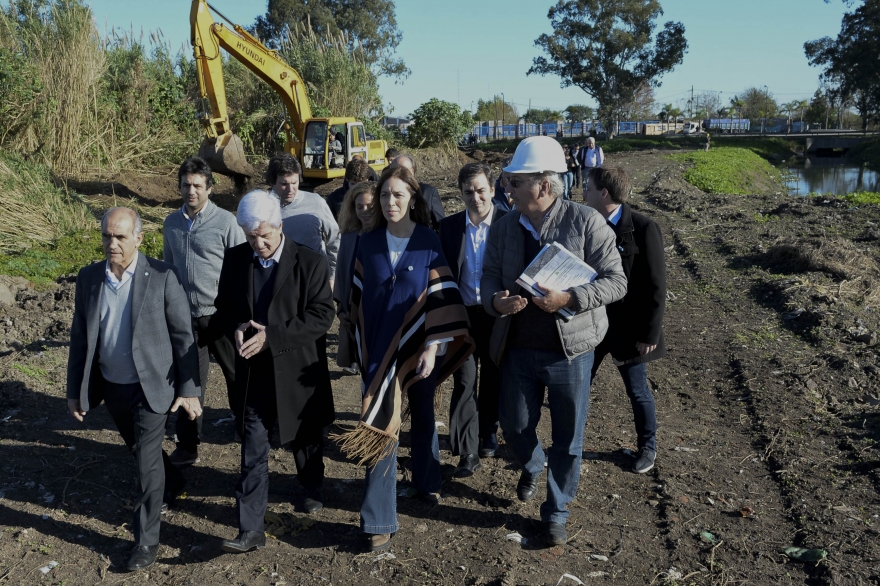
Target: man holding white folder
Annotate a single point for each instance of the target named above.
(535, 346)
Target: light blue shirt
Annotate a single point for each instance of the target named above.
(615, 215)
(528, 225)
(474, 253)
(189, 221)
(126, 276)
(274, 258)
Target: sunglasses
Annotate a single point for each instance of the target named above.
(517, 183)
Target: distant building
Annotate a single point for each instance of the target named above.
(400, 123)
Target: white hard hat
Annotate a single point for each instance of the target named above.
(538, 154)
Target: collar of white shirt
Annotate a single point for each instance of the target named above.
(615, 215)
(274, 258)
(128, 274)
(485, 222)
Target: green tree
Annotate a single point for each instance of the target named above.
(851, 62)
(542, 115)
(368, 24)
(496, 109)
(438, 123)
(578, 113)
(758, 103)
(609, 49)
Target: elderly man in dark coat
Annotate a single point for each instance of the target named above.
(274, 298)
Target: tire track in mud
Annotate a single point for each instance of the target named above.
(783, 419)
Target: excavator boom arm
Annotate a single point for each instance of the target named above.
(208, 37)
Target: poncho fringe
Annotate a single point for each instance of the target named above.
(391, 335)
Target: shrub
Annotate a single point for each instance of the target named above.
(438, 123)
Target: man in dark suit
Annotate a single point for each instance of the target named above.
(132, 346)
(473, 417)
(274, 298)
(357, 171)
(635, 330)
(429, 192)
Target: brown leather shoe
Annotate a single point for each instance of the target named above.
(380, 542)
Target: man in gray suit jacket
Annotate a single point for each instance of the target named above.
(131, 346)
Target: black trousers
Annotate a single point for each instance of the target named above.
(577, 176)
(474, 415)
(143, 430)
(189, 431)
(252, 490)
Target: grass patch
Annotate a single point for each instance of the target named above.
(766, 147)
(43, 264)
(730, 170)
(855, 197)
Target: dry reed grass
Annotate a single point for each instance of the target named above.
(856, 270)
(33, 211)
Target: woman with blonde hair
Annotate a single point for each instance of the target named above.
(412, 332)
(355, 217)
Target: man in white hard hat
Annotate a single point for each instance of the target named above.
(534, 346)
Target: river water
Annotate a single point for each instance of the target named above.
(829, 175)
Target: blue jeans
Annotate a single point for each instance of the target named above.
(635, 379)
(568, 180)
(379, 506)
(524, 374)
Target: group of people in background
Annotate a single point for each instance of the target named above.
(420, 297)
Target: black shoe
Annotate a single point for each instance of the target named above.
(314, 500)
(489, 446)
(183, 457)
(169, 497)
(644, 460)
(554, 534)
(432, 498)
(527, 487)
(467, 465)
(246, 541)
(142, 556)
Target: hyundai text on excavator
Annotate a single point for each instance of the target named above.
(308, 139)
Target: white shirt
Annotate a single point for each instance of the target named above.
(615, 215)
(396, 246)
(128, 274)
(474, 253)
(594, 157)
(274, 258)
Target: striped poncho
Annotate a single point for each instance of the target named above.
(396, 312)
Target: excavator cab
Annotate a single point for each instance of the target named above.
(330, 143)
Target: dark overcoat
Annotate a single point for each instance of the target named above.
(638, 317)
(300, 313)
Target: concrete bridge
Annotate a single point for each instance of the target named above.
(828, 143)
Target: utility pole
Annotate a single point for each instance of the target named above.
(691, 104)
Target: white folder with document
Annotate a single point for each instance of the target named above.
(556, 268)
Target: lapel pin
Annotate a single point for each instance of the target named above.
(409, 268)
(146, 274)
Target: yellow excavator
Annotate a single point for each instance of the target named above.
(323, 145)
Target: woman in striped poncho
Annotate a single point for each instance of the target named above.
(412, 332)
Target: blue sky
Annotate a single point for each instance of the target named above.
(465, 50)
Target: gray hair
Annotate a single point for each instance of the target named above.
(257, 207)
(408, 158)
(557, 188)
(136, 219)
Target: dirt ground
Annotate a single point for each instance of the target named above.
(769, 422)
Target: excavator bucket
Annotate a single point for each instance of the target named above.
(225, 154)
